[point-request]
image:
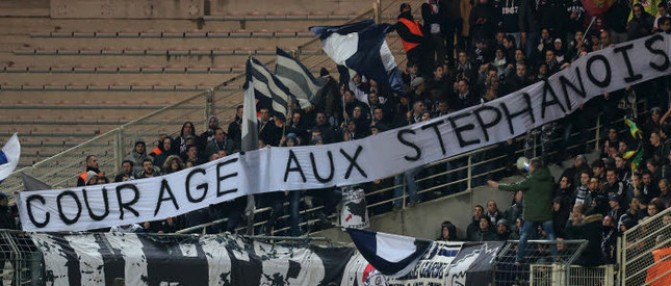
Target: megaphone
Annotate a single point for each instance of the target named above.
(523, 164)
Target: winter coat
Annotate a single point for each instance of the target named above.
(537, 188)
(591, 230)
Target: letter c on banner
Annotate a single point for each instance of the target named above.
(31, 216)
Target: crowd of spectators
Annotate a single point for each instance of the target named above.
(462, 53)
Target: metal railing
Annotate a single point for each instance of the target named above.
(539, 266)
(645, 251)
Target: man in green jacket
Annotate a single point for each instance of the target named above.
(537, 205)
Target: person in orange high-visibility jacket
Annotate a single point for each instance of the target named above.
(411, 36)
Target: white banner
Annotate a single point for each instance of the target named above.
(347, 163)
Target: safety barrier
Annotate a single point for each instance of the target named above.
(645, 255)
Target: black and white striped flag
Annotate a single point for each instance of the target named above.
(297, 78)
(268, 88)
(99, 259)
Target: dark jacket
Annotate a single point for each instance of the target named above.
(616, 17)
(537, 188)
(229, 145)
(483, 21)
(591, 230)
(640, 27)
(404, 32)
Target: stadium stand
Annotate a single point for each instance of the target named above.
(96, 75)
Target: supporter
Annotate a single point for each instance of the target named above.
(324, 128)
(520, 79)
(165, 151)
(138, 155)
(640, 24)
(148, 170)
(298, 126)
(464, 98)
(650, 187)
(665, 27)
(179, 144)
(598, 196)
(207, 136)
(599, 170)
(616, 212)
(609, 240)
(172, 164)
(126, 172)
(499, 61)
(503, 232)
(622, 170)
(655, 206)
(157, 150)
(573, 172)
(268, 131)
(515, 210)
(538, 188)
(662, 12)
(434, 41)
(474, 226)
(659, 149)
(448, 231)
(590, 228)
(235, 127)
(91, 178)
(6, 218)
(482, 21)
(411, 36)
(485, 232)
(583, 195)
(632, 214)
(493, 212)
(192, 157)
(91, 165)
(410, 72)
(664, 192)
(452, 25)
(465, 68)
(560, 215)
(613, 185)
(221, 142)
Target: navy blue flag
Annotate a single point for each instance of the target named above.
(391, 254)
(361, 47)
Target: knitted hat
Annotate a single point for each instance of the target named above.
(90, 175)
(416, 82)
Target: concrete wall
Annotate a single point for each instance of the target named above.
(127, 9)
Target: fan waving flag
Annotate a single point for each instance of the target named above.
(297, 78)
(361, 47)
(268, 89)
(393, 255)
(9, 157)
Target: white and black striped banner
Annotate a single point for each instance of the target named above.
(100, 259)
